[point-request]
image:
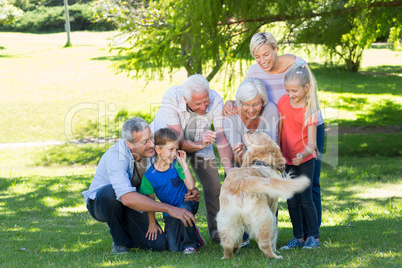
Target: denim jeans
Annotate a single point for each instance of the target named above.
(180, 237)
(303, 201)
(127, 226)
(316, 177)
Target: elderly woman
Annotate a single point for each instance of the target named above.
(255, 113)
(271, 70)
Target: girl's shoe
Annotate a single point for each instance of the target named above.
(312, 243)
(294, 243)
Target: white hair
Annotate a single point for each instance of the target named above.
(260, 39)
(135, 124)
(195, 83)
(249, 89)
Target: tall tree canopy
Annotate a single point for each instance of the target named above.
(9, 13)
(204, 35)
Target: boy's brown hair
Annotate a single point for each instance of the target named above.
(165, 135)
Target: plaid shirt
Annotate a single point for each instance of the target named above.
(173, 111)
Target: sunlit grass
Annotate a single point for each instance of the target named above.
(361, 219)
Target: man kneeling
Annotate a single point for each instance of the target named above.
(113, 197)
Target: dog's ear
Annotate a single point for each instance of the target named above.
(248, 157)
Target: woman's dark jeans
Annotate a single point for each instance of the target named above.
(127, 226)
(303, 201)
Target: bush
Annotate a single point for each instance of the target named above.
(52, 19)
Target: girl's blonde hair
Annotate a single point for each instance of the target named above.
(301, 73)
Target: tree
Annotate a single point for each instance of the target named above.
(8, 12)
(347, 33)
(204, 35)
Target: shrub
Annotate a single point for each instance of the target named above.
(52, 19)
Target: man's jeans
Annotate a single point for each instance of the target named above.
(127, 226)
(180, 237)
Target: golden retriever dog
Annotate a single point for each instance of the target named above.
(249, 196)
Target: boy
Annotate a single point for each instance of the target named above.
(170, 182)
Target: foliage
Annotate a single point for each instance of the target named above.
(203, 36)
(52, 19)
(9, 13)
(347, 35)
(167, 35)
(30, 5)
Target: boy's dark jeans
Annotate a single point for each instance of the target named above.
(178, 236)
(127, 226)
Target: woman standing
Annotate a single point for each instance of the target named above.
(271, 70)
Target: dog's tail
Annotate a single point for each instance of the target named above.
(278, 187)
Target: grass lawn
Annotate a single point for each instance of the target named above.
(51, 93)
(44, 222)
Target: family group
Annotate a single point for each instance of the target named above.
(278, 97)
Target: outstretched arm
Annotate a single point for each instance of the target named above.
(225, 152)
(143, 203)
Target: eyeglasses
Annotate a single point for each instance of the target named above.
(255, 105)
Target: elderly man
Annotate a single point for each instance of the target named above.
(113, 197)
(189, 110)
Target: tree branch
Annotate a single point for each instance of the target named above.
(314, 15)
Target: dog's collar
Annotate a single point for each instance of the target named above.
(262, 163)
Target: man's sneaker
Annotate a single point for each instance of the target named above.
(189, 250)
(294, 243)
(119, 249)
(245, 243)
(312, 243)
(201, 240)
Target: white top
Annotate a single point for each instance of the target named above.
(173, 111)
(235, 129)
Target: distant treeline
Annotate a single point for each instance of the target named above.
(39, 17)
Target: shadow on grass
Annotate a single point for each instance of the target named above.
(110, 58)
(44, 221)
(383, 113)
(378, 80)
(383, 70)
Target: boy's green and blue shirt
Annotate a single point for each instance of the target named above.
(168, 185)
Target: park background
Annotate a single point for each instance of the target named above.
(62, 107)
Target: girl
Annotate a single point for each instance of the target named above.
(298, 131)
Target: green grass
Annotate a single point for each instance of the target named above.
(44, 222)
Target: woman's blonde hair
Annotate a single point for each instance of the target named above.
(260, 39)
(301, 73)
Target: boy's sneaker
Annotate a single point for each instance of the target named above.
(294, 243)
(119, 249)
(201, 240)
(245, 243)
(312, 243)
(189, 250)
